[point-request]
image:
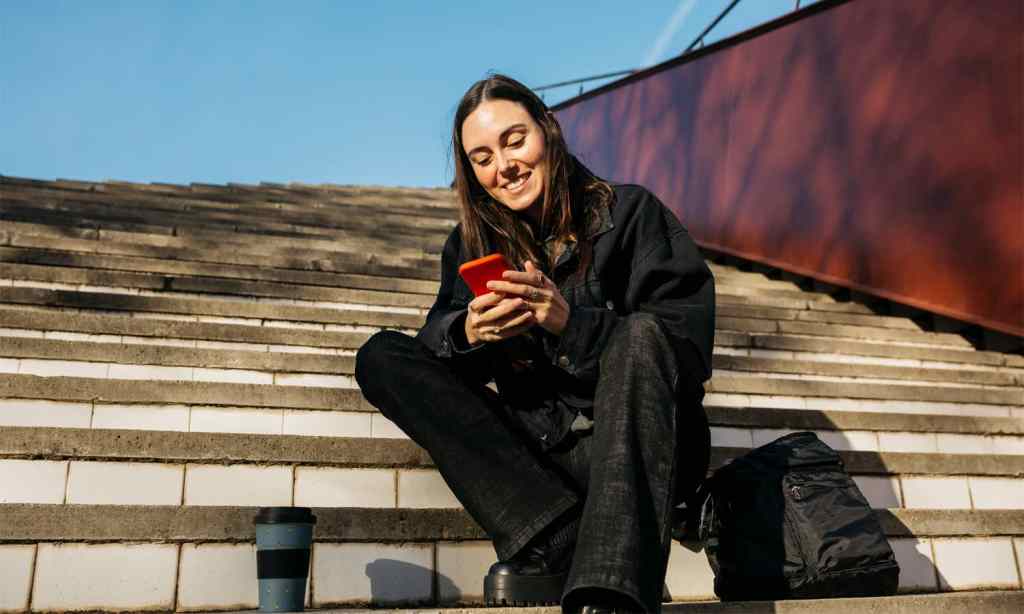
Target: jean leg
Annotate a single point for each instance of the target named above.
(625, 531)
(504, 482)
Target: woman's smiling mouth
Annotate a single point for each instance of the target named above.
(517, 185)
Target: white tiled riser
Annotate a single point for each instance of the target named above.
(197, 418)
(106, 370)
(139, 483)
(251, 322)
(172, 342)
(721, 399)
(204, 576)
(867, 360)
(262, 347)
(877, 441)
(856, 379)
(202, 418)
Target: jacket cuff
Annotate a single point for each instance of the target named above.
(455, 335)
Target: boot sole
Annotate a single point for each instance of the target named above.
(508, 589)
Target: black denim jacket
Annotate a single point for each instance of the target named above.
(643, 260)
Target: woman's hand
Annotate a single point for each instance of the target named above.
(494, 317)
(540, 294)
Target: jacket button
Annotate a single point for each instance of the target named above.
(610, 305)
(563, 361)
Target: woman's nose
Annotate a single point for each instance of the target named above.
(507, 166)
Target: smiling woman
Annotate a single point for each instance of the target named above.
(599, 347)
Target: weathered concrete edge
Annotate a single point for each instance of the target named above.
(24, 522)
(175, 446)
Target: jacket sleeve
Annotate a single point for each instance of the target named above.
(443, 333)
(667, 277)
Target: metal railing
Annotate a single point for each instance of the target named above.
(697, 41)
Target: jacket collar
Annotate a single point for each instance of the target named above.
(598, 220)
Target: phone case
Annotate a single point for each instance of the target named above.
(478, 272)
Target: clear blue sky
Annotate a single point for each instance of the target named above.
(347, 92)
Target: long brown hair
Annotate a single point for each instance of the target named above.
(488, 226)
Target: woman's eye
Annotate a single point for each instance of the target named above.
(517, 143)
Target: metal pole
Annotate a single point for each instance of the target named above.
(700, 37)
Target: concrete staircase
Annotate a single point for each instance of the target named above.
(172, 357)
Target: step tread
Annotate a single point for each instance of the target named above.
(81, 522)
(118, 324)
(229, 448)
(1009, 398)
(121, 353)
(255, 271)
(109, 302)
(84, 389)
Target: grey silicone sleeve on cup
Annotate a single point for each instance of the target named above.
(277, 541)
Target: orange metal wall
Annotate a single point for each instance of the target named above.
(874, 144)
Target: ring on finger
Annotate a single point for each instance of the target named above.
(534, 294)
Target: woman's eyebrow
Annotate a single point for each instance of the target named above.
(503, 134)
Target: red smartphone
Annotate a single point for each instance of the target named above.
(478, 272)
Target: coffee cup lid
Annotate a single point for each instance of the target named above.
(275, 515)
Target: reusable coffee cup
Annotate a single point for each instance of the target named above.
(284, 536)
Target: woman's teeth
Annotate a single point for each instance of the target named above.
(515, 185)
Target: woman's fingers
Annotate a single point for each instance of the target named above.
(514, 330)
(484, 301)
(510, 326)
(530, 278)
(502, 309)
(524, 290)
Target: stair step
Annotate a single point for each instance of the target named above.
(284, 233)
(991, 602)
(43, 522)
(29, 207)
(214, 286)
(1001, 399)
(170, 356)
(112, 466)
(725, 362)
(169, 303)
(177, 410)
(84, 389)
(108, 349)
(303, 260)
(261, 272)
(853, 347)
(423, 548)
(139, 329)
(748, 384)
(172, 302)
(71, 280)
(29, 231)
(320, 210)
(854, 319)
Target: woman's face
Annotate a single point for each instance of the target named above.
(506, 149)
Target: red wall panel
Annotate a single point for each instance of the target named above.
(870, 143)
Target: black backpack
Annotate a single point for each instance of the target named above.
(786, 521)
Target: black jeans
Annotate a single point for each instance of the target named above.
(649, 448)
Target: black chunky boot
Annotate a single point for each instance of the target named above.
(536, 574)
